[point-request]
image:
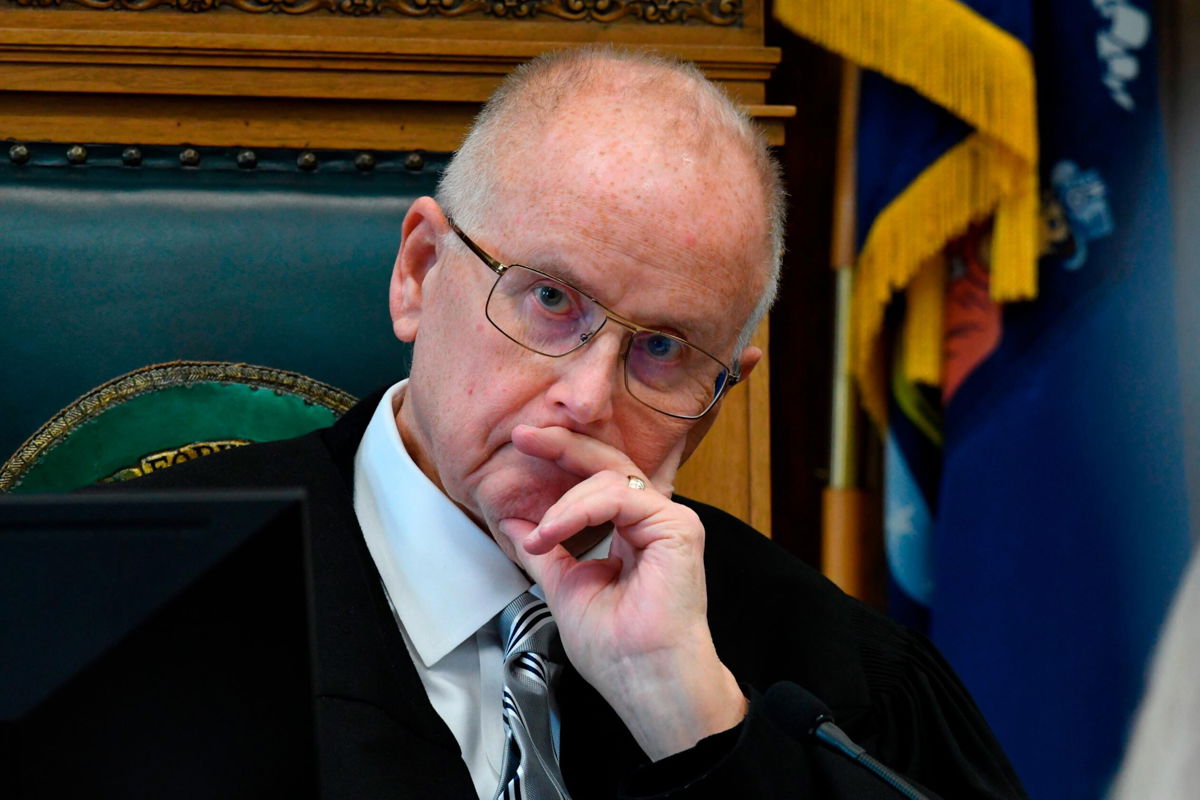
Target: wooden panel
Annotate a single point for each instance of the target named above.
(389, 28)
(759, 435)
(378, 59)
(731, 469)
(141, 120)
(285, 69)
(80, 117)
(195, 86)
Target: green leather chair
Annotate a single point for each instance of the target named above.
(132, 256)
(158, 416)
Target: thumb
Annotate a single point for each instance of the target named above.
(545, 570)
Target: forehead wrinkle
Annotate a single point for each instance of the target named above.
(663, 212)
(703, 331)
(555, 266)
(716, 258)
(580, 255)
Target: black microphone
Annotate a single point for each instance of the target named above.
(801, 714)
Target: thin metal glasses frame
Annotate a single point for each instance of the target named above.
(498, 267)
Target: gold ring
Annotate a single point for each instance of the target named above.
(636, 483)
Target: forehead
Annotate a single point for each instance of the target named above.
(658, 229)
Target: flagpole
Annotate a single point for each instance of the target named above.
(843, 502)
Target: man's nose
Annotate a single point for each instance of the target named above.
(587, 379)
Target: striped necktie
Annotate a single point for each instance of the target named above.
(532, 660)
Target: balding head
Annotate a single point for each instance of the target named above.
(629, 184)
(633, 120)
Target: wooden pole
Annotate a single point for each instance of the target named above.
(843, 502)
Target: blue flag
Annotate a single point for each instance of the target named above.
(1035, 508)
(1062, 523)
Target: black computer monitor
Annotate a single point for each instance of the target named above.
(156, 645)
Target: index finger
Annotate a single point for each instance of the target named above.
(664, 477)
(576, 453)
(584, 456)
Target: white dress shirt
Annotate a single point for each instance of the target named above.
(446, 582)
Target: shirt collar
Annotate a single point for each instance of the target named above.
(446, 578)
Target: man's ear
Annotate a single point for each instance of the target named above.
(421, 236)
(750, 358)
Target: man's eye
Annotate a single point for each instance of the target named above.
(552, 298)
(662, 348)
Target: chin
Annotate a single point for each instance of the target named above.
(524, 491)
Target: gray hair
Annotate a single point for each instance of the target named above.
(470, 180)
(1163, 759)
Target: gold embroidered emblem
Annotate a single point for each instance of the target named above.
(169, 458)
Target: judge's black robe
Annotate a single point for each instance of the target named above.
(772, 618)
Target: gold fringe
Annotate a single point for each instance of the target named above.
(982, 74)
(956, 190)
(943, 49)
(924, 313)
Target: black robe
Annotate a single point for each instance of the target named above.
(772, 617)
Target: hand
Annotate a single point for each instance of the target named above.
(633, 624)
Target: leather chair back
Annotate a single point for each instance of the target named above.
(106, 267)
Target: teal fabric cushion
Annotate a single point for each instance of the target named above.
(105, 268)
(156, 417)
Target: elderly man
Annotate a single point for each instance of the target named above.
(580, 297)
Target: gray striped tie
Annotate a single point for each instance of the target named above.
(532, 660)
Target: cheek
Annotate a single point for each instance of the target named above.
(650, 439)
(480, 396)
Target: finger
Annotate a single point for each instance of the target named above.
(544, 568)
(515, 528)
(591, 503)
(605, 497)
(582, 579)
(664, 477)
(558, 570)
(574, 452)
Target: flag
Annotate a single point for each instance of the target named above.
(1036, 510)
(1062, 524)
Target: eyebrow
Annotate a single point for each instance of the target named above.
(560, 269)
(683, 329)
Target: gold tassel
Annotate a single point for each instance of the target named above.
(982, 74)
(942, 48)
(957, 189)
(924, 313)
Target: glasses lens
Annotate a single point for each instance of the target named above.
(670, 375)
(553, 318)
(542, 313)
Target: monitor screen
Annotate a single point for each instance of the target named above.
(156, 644)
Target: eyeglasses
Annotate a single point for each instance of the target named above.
(549, 316)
